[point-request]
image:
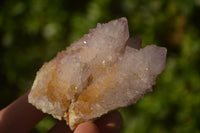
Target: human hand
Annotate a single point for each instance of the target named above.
(20, 116)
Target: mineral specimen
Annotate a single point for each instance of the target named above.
(102, 71)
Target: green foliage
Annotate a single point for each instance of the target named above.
(33, 31)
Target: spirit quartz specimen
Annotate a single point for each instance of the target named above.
(102, 71)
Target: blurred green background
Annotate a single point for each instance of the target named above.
(33, 31)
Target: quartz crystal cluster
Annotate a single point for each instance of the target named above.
(102, 71)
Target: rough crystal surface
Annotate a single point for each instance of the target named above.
(102, 71)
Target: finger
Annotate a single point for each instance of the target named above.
(19, 116)
(110, 123)
(87, 127)
(60, 127)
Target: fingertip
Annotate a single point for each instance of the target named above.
(110, 123)
(87, 127)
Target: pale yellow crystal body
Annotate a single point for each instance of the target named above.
(96, 74)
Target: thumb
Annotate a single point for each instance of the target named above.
(87, 127)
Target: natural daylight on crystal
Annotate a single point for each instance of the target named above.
(103, 71)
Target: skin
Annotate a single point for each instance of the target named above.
(21, 116)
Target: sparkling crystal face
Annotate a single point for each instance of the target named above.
(102, 71)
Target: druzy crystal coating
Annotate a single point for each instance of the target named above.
(102, 71)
